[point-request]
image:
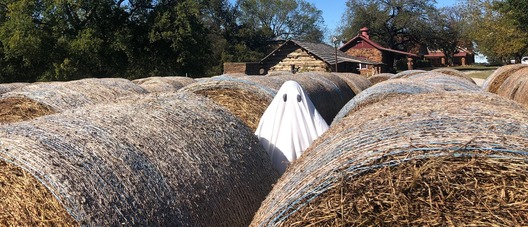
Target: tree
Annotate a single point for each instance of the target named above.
(295, 19)
(496, 30)
(398, 24)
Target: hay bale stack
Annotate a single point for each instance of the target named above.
(454, 72)
(163, 84)
(40, 99)
(428, 159)
(495, 80)
(446, 82)
(407, 73)
(515, 87)
(170, 159)
(245, 99)
(356, 82)
(380, 78)
(4, 88)
(387, 89)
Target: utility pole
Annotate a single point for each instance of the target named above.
(335, 41)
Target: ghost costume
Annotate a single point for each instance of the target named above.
(289, 125)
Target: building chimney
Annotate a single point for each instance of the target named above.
(364, 32)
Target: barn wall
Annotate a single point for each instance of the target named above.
(372, 54)
(289, 55)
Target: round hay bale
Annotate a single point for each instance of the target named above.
(245, 99)
(356, 82)
(4, 88)
(454, 72)
(169, 159)
(443, 159)
(495, 80)
(446, 82)
(380, 78)
(515, 87)
(163, 84)
(407, 73)
(45, 98)
(381, 91)
(279, 73)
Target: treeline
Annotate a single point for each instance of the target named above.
(44, 40)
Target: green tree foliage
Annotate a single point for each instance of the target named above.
(497, 28)
(398, 24)
(296, 19)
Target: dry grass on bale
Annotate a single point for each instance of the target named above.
(446, 82)
(356, 82)
(381, 91)
(380, 78)
(407, 73)
(450, 158)
(168, 159)
(515, 87)
(26, 202)
(163, 84)
(20, 109)
(4, 88)
(245, 99)
(454, 72)
(495, 80)
(46, 98)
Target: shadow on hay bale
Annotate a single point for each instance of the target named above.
(163, 84)
(4, 88)
(515, 87)
(495, 80)
(380, 78)
(248, 97)
(171, 159)
(446, 82)
(40, 99)
(428, 159)
(381, 91)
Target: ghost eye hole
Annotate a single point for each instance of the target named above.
(299, 98)
(285, 97)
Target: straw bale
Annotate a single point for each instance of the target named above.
(407, 73)
(445, 159)
(381, 91)
(279, 73)
(4, 88)
(356, 82)
(46, 98)
(495, 80)
(446, 82)
(167, 159)
(163, 84)
(380, 77)
(245, 99)
(515, 87)
(454, 72)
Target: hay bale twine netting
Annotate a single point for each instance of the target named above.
(4, 88)
(380, 78)
(451, 158)
(495, 80)
(515, 87)
(40, 99)
(381, 91)
(163, 84)
(171, 159)
(446, 82)
(245, 99)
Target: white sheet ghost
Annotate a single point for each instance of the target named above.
(289, 125)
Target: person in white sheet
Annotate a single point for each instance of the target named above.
(289, 125)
